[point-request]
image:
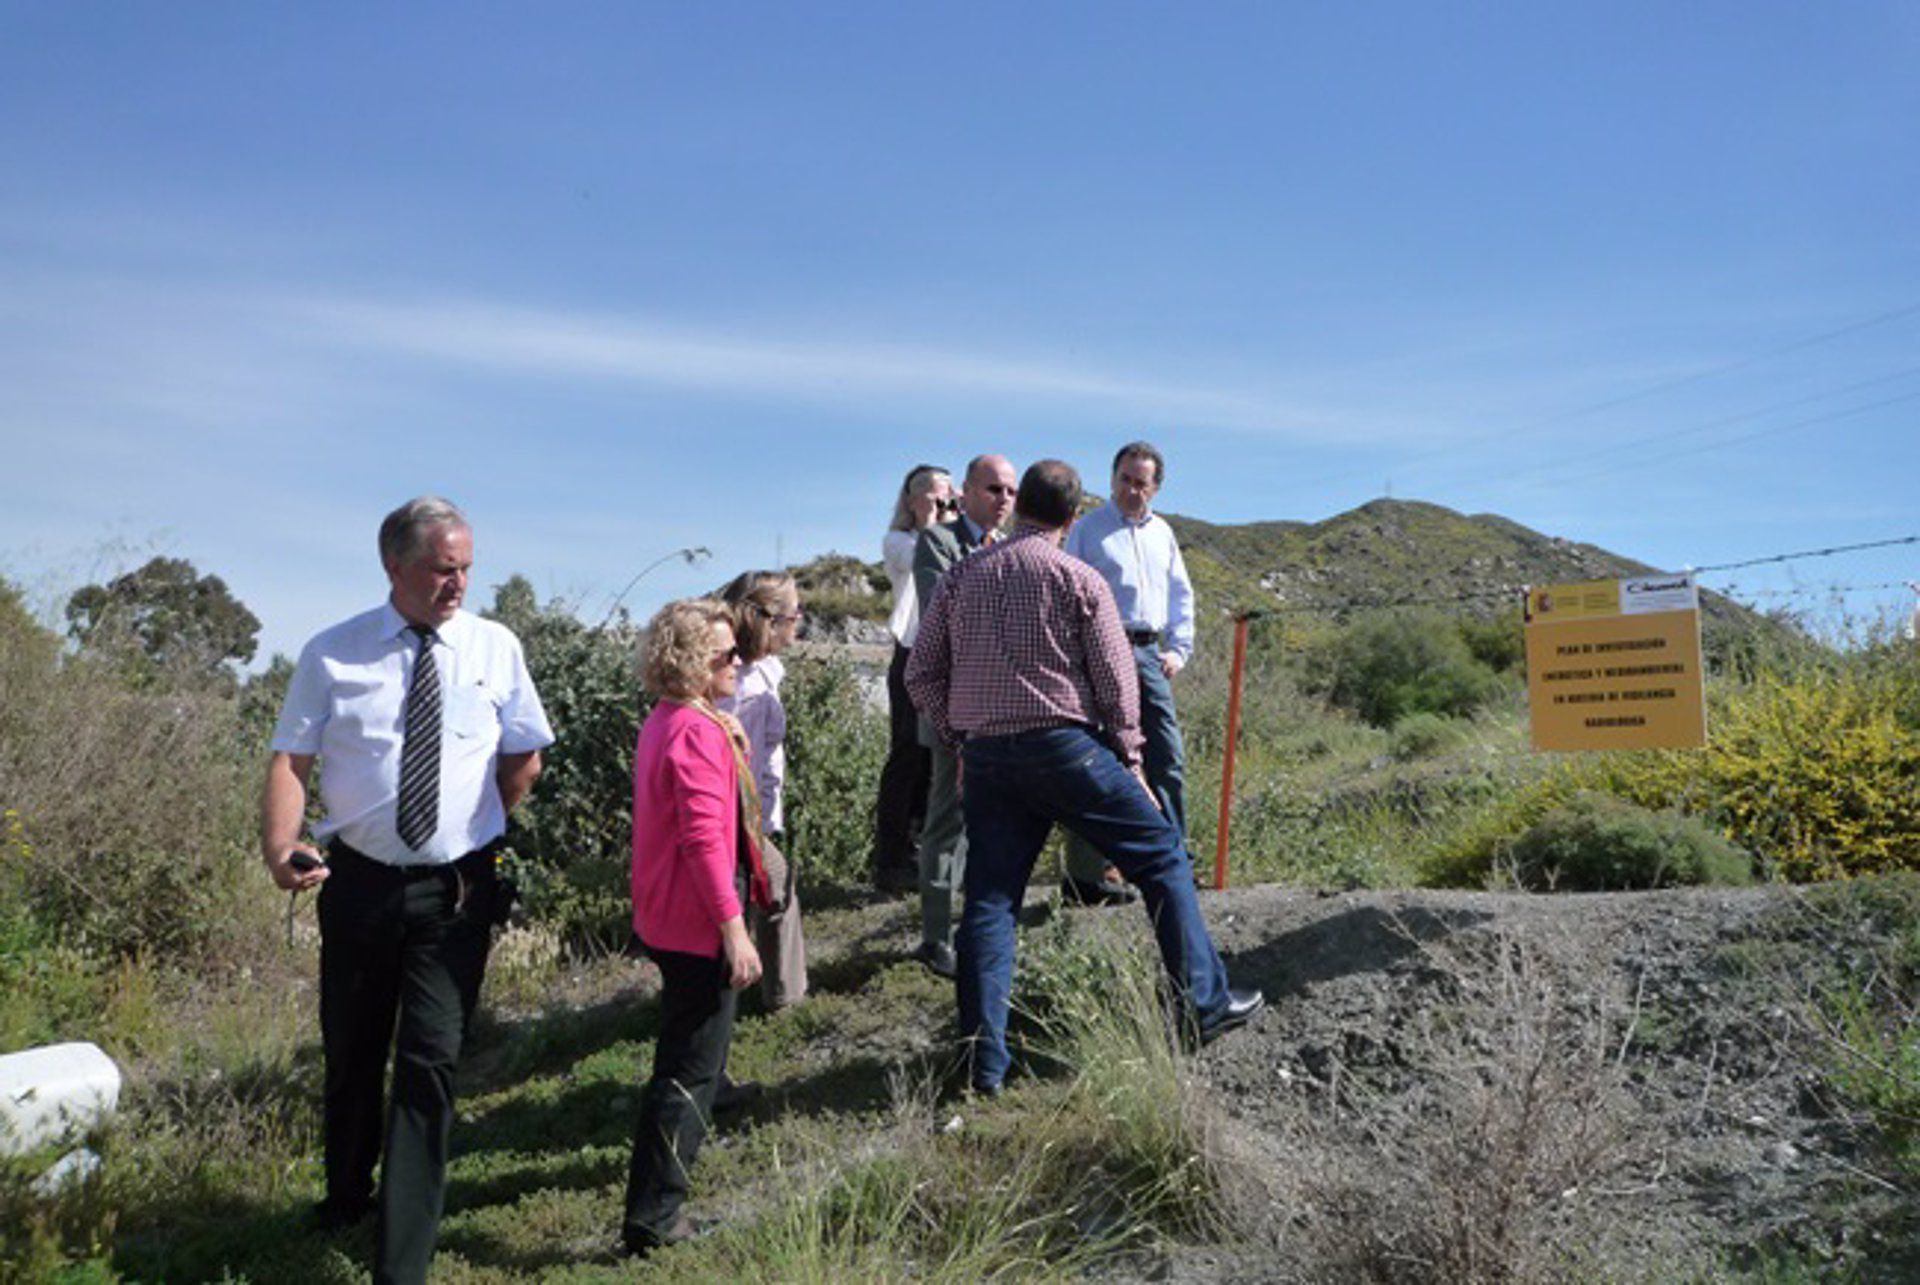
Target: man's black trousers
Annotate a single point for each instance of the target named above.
(402, 952)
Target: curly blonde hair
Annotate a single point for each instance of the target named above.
(677, 660)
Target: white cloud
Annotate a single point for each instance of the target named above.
(572, 345)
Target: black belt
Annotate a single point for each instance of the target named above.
(1143, 637)
(341, 854)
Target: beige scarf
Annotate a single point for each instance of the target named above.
(759, 886)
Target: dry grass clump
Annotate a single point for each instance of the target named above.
(1114, 1152)
(131, 810)
(1501, 1160)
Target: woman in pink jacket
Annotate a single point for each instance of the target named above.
(696, 862)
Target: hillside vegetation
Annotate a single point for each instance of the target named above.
(1382, 777)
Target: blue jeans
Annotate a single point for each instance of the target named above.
(1163, 758)
(1015, 789)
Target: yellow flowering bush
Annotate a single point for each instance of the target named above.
(1813, 770)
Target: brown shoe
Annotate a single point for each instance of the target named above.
(641, 1241)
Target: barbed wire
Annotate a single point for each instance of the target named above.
(1817, 590)
(1808, 553)
(1478, 595)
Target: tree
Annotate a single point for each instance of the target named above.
(167, 612)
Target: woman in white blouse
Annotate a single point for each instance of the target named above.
(766, 619)
(926, 496)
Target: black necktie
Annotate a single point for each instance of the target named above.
(419, 810)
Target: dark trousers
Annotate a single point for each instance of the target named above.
(903, 781)
(1163, 758)
(1017, 788)
(401, 957)
(696, 1026)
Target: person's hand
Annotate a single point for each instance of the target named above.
(1171, 664)
(743, 961)
(1140, 775)
(281, 865)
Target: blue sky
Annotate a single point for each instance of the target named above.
(623, 278)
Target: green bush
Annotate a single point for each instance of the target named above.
(1388, 665)
(571, 839)
(1418, 735)
(1595, 843)
(1497, 642)
(836, 745)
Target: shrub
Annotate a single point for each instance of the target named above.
(1595, 843)
(571, 837)
(836, 745)
(1812, 769)
(1497, 642)
(1418, 735)
(1386, 666)
(134, 814)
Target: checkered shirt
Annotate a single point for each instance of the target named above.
(1022, 636)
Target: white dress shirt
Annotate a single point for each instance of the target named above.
(347, 704)
(756, 703)
(1141, 563)
(896, 552)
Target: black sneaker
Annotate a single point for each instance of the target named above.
(1242, 1007)
(896, 881)
(938, 957)
(331, 1217)
(1107, 892)
(735, 1095)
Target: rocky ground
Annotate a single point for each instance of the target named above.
(1619, 1085)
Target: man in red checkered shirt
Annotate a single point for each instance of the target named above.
(1022, 662)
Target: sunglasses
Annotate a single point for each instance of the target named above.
(721, 659)
(947, 506)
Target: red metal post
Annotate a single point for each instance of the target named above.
(1233, 741)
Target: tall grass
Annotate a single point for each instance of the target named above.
(1112, 1150)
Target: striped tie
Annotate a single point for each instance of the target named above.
(419, 812)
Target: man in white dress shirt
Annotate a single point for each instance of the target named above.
(1135, 551)
(428, 731)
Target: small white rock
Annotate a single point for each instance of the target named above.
(70, 1169)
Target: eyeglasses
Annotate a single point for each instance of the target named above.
(787, 620)
(721, 659)
(948, 505)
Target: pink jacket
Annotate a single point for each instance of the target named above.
(686, 831)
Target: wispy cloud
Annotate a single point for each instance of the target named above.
(576, 345)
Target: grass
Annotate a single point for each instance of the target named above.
(856, 1164)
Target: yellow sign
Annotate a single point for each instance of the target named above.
(1615, 665)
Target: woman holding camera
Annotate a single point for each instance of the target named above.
(926, 496)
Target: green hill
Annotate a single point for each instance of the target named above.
(1384, 553)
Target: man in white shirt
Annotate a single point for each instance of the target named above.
(1135, 551)
(428, 731)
